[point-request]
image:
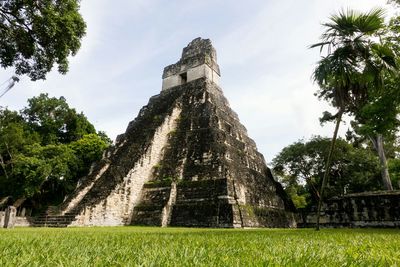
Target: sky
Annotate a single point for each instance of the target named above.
(262, 50)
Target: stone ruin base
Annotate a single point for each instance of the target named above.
(368, 209)
(8, 217)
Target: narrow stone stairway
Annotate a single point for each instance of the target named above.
(51, 218)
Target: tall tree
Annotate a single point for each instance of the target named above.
(378, 121)
(345, 73)
(35, 35)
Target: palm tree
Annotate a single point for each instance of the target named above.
(349, 69)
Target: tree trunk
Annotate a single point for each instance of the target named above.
(3, 165)
(378, 145)
(328, 166)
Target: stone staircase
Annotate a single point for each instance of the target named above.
(51, 218)
(149, 210)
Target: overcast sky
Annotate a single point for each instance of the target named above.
(262, 53)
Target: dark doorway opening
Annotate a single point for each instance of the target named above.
(183, 77)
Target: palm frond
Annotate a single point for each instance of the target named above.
(355, 63)
(319, 44)
(386, 55)
(369, 23)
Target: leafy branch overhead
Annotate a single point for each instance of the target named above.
(36, 35)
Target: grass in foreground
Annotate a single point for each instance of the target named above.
(133, 246)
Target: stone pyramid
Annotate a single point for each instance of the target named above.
(186, 160)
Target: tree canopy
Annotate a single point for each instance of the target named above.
(35, 35)
(45, 148)
(301, 167)
(55, 121)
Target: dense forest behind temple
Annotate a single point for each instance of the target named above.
(355, 168)
(44, 149)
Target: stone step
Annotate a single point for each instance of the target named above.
(49, 225)
(71, 214)
(52, 210)
(56, 217)
(52, 221)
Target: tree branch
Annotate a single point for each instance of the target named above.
(3, 165)
(11, 157)
(21, 23)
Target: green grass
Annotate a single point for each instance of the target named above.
(142, 246)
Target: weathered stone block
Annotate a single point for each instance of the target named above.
(22, 221)
(2, 218)
(10, 217)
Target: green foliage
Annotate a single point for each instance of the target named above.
(62, 166)
(88, 149)
(396, 2)
(379, 116)
(55, 121)
(45, 149)
(394, 168)
(166, 182)
(301, 166)
(27, 176)
(146, 246)
(298, 195)
(104, 137)
(35, 35)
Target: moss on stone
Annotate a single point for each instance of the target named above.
(166, 182)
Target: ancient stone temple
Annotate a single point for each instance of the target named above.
(186, 160)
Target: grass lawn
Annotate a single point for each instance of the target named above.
(143, 246)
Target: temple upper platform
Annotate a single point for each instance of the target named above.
(199, 60)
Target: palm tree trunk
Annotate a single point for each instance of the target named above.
(328, 165)
(378, 145)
